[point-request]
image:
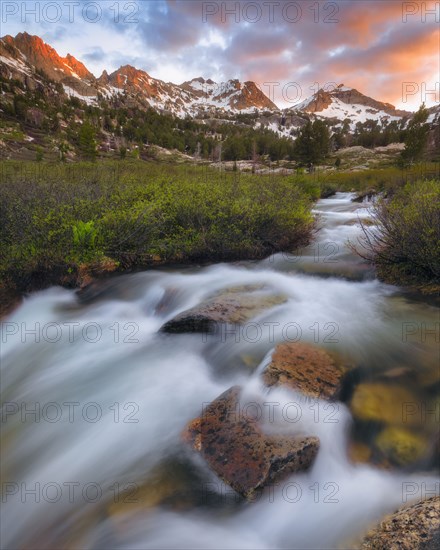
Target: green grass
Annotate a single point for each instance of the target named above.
(12, 134)
(381, 180)
(386, 180)
(59, 221)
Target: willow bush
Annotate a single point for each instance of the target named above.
(404, 242)
(61, 217)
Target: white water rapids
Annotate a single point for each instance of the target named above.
(94, 398)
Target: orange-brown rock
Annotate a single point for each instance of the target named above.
(415, 527)
(306, 368)
(44, 57)
(193, 434)
(237, 449)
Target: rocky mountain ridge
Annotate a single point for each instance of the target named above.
(29, 59)
(345, 103)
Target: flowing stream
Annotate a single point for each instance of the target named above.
(94, 400)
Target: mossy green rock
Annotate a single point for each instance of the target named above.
(402, 446)
(384, 403)
(402, 428)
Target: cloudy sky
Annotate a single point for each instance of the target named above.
(386, 49)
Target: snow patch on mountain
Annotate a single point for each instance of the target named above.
(90, 100)
(354, 112)
(16, 64)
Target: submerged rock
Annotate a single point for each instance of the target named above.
(306, 368)
(233, 306)
(388, 403)
(242, 455)
(115, 287)
(399, 424)
(402, 446)
(174, 483)
(415, 527)
(359, 452)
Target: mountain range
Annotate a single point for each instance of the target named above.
(24, 56)
(30, 60)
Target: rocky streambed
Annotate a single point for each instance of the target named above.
(286, 403)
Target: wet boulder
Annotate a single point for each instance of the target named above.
(308, 369)
(415, 527)
(232, 306)
(365, 195)
(231, 440)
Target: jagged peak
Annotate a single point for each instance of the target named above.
(198, 80)
(45, 57)
(77, 66)
(28, 37)
(24, 38)
(129, 69)
(347, 102)
(250, 84)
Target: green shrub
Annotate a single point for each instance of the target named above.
(85, 242)
(405, 241)
(63, 216)
(39, 154)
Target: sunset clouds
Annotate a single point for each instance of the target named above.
(375, 46)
